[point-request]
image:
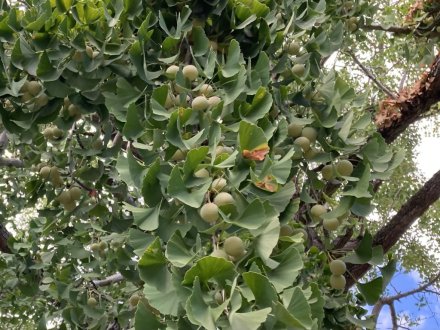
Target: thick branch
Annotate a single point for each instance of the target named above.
(12, 162)
(4, 235)
(396, 115)
(402, 30)
(389, 234)
(115, 278)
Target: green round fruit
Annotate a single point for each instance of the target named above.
(337, 282)
(89, 51)
(317, 210)
(219, 253)
(344, 167)
(48, 133)
(34, 88)
(73, 110)
(214, 100)
(218, 184)
(202, 173)
(303, 142)
(206, 90)
(310, 133)
(95, 54)
(293, 48)
(94, 247)
(298, 69)
(92, 302)
(171, 71)
(209, 212)
(218, 297)
(57, 133)
(223, 198)
(45, 172)
(26, 97)
(102, 246)
(75, 192)
(200, 103)
(309, 154)
(337, 267)
(330, 224)
(234, 246)
(170, 101)
(41, 101)
(328, 172)
(294, 130)
(65, 197)
(69, 206)
(286, 230)
(190, 72)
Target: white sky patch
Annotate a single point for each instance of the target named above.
(429, 156)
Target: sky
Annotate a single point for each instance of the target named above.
(429, 314)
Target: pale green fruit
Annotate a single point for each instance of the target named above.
(209, 212)
(57, 133)
(202, 173)
(218, 184)
(219, 253)
(65, 197)
(25, 87)
(294, 130)
(102, 245)
(41, 100)
(286, 230)
(206, 90)
(34, 88)
(171, 71)
(214, 100)
(89, 51)
(344, 167)
(92, 302)
(228, 150)
(328, 172)
(352, 27)
(337, 282)
(223, 198)
(170, 101)
(69, 206)
(293, 48)
(75, 193)
(66, 102)
(55, 177)
(218, 297)
(190, 72)
(73, 110)
(94, 247)
(310, 133)
(303, 142)
(337, 267)
(309, 154)
(317, 210)
(234, 246)
(178, 156)
(200, 103)
(95, 54)
(330, 224)
(26, 97)
(298, 69)
(45, 172)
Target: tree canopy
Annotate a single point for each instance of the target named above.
(215, 164)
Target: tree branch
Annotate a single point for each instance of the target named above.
(370, 75)
(393, 316)
(11, 162)
(115, 278)
(390, 233)
(402, 30)
(4, 236)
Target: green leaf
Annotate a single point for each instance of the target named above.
(268, 239)
(176, 188)
(346, 125)
(200, 41)
(193, 159)
(152, 266)
(178, 252)
(251, 137)
(261, 105)
(145, 218)
(286, 273)
(369, 323)
(133, 127)
(210, 268)
(263, 291)
(130, 170)
(363, 252)
(371, 290)
(360, 188)
(151, 189)
(232, 66)
(45, 69)
(145, 319)
(250, 320)
(297, 314)
(388, 272)
(253, 216)
(63, 5)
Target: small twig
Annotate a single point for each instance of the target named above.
(12, 162)
(393, 316)
(370, 75)
(115, 278)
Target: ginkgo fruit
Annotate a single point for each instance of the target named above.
(92, 302)
(218, 184)
(178, 155)
(134, 300)
(234, 246)
(327, 172)
(294, 130)
(171, 71)
(75, 192)
(209, 212)
(190, 72)
(303, 142)
(219, 253)
(337, 267)
(206, 90)
(34, 88)
(286, 230)
(45, 172)
(94, 247)
(200, 103)
(337, 282)
(202, 173)
(65, 197)
(310, 133)
(293, 48)
(317, 210)
(298, 69)
(214, 100)
(344, 167)
(223, 198)
(330, 224)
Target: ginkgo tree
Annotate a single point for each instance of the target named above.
(194, 164)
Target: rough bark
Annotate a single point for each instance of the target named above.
(390, 233)
(4, 235)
